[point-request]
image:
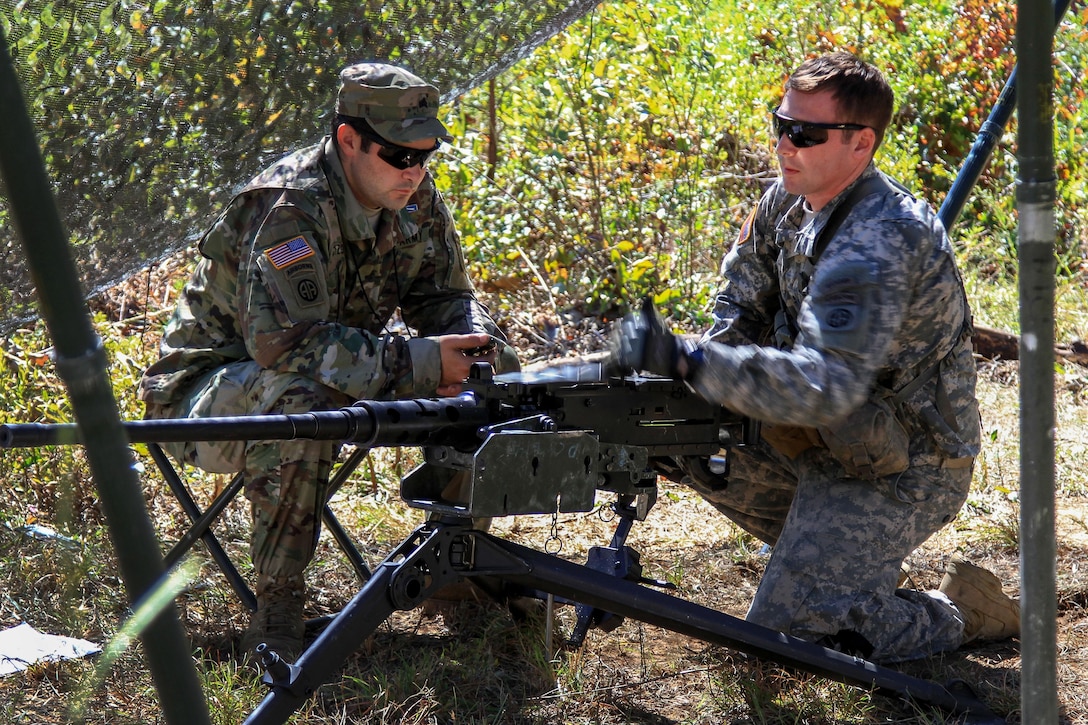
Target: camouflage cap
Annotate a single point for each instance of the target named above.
(399, 105)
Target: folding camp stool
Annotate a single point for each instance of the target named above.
(203, 520)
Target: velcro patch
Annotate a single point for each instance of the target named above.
(289, 252)
(307, 287)
(841, 319)
(842, 306)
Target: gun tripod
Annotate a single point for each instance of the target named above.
(445, 551)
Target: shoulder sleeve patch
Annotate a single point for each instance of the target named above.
(746, 228)
(289, 252)
(842, 306)
(294, 275)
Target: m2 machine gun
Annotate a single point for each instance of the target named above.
(521, 444)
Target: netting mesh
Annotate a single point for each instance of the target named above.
(150, 113)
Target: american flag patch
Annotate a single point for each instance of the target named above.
(289, 252)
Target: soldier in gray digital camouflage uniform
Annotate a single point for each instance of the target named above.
(289, 310)
(852, 351)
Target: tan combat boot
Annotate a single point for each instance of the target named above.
(904, 575)
(278, 620)
(988, 613)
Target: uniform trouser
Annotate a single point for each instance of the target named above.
(285, 481)
(838, 547)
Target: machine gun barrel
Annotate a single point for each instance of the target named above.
(369, 423)
(509, 445)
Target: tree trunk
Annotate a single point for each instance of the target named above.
(997, 345)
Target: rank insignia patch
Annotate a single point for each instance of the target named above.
(289, 252)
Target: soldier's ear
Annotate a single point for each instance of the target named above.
(864, 141)
(347, 138)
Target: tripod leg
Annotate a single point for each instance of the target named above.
(436, 554)
(324, 658)
(629, 599)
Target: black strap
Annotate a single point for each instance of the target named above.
(911, 387)
(783, 327)
(872, 185)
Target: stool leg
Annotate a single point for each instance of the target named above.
(202, 522)
(343, 540)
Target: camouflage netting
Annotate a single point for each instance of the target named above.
(150, 113)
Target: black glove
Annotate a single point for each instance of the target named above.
(641, 343)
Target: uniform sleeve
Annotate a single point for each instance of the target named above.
(291, 327)
(287, 319)
(746, 302)
(848, 325)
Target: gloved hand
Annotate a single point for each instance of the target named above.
(641, 343)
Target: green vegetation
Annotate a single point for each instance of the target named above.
(628, 151)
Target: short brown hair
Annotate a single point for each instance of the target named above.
(359, 125)
(861, 91)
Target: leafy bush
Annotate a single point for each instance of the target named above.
(627, 152)
(630, 172)
(53, 482)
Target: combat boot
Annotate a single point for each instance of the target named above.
(988, 613)
(904, 575)
(278, 620)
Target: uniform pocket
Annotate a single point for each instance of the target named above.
(871, 443)
(294, 275)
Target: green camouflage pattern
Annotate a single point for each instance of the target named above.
(399, 105)
(289, 310)
(884, 304)
(285, 481)
(324, 316)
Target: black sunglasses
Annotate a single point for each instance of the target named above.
(397, 156)
(805, 134)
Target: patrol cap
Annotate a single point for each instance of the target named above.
(399, 105)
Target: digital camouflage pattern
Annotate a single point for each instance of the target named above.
(288, 311)
(883, 305)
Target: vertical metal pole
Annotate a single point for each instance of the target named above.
(81, 363)
(492, 130)
(1035, 195)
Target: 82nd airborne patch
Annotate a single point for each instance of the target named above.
(294, 275)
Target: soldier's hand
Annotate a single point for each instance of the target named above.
(459, 354)
(641, 343)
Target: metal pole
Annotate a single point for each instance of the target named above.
(988, 136)
(1035, 195)
(81, 363)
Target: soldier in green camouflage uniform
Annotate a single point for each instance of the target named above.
(289, 311)
(856, 361)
